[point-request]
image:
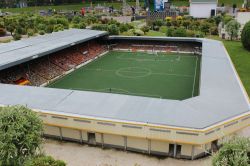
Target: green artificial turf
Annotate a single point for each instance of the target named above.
(168, 76)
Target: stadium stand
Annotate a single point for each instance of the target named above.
(42, 70)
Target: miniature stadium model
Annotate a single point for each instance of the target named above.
(177, 97)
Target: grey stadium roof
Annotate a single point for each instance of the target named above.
(15, 53)
(222, 96)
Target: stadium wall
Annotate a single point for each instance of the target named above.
(139, 137)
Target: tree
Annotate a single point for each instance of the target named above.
(44, 161)
(245, 36)
(20, 134)
(233, 153)
(205, 27)
(232, 28)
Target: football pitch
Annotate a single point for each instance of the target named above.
(168, 76)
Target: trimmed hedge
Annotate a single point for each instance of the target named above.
(245, 36)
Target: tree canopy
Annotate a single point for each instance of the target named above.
(233, 153)
(232, 28)
(20, 135)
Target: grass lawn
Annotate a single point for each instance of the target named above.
(116, 5)
(226, 2)
(168, 76)
(231, 2)
(155, 33)
(241, 60)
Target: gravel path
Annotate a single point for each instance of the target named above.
(84, 155)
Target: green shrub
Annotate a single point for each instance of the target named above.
(82, 25)
(124, 27)
(138, 32)
(42, 32)
(77, 26)
(17, 36)
(232, 28)
(20, 134)
(213, 30)
(76, 20)
(170, 32)
(44, 161)
(20, 30)
(199, 35)
(58, 27)
(52, 21)
(190, 33)
(30, 32)
(41, 27)
(145, 28)
(113, 29)
(158, 23)
(129, 32)
(64, 22)
(245, 36)
(163, 29)
(180, 32)
(101, 27)
(49, 29)
(233, 153)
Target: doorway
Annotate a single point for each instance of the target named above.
(91, 138)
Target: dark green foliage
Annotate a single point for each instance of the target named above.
(245, 36)
(20, 135)
(180, 32)
(44, 161)
(17, 36)
(76, 20)
(170, 32)
(124, 27)
(49, 28)
(82, 25)
(42, 32)
(217, 19)
(113, 29)
(58, 27)
(145, 28)
(158, 23)
(52, 21)
(64, 22)
(101, 27)
(190, 33)
(205, 26)
(233, 153)
(30, 32)
(213, 30)
(41, 27)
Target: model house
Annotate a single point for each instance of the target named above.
(203, 8)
